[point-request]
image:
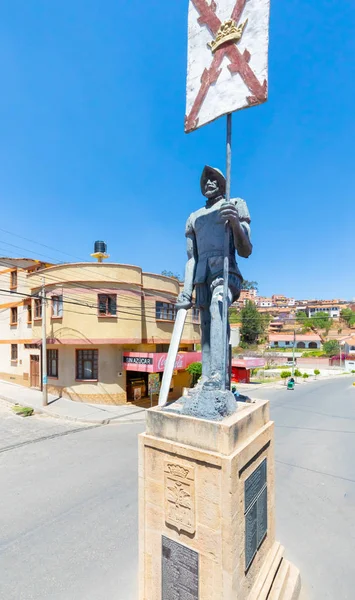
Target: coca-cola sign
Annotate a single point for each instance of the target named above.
(179, 363)
(154, 362)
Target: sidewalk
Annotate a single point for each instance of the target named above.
(62, 408)
(255, 385)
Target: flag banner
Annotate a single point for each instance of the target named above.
(227, 69)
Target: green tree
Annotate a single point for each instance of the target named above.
(172, 274)
(298, 373)
(305, 375)
(253, 324)
(301, 317)
(249, 285)
(322, 321)
(234, 315)
(331, 348)
(195, 370)
(316, 372)
(348, 316)
(285, 375)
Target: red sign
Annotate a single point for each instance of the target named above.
(154, 362)
(248, 362)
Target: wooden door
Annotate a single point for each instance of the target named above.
(34, 371)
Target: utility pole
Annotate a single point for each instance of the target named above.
(340, 357)
(293, 351)
(44, 346)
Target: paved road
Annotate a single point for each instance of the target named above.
(68, 528)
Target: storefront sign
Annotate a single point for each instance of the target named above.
(154, 362)
(137, 361)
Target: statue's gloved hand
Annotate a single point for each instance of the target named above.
(229, 212)
(184, 300)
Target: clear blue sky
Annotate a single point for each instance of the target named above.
(92, 144)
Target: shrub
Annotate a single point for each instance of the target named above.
(298, 373)
(195, 370)
(331, 348)
(285, 375)
(305, 375)
(23, 411)
(312, 353)
(316, 372)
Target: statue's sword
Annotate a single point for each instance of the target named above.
(172, 354)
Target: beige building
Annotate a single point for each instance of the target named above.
(108, 328)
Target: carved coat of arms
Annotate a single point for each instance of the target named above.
(180, 496)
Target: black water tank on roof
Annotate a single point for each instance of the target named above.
(100, 247)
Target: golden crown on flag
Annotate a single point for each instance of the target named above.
(228, 32)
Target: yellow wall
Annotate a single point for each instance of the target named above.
(134, 328)
(111, 387)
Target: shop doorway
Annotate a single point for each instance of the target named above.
(137, 386)
(34, 371)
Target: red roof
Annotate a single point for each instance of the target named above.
(279, 337)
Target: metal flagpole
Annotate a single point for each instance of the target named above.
(225, 363)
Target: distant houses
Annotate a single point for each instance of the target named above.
(283, 340)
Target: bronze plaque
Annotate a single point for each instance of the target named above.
(179, 571)
(255, 492)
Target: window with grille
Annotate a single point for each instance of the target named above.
(57, 306)
(13, 279)
(13, 315)
(87, 364)
(107, 305)
(52, 363)
(14, 351)
(38, 308)
(165, 311)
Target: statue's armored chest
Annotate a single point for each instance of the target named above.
(208, 227)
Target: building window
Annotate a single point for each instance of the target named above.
(195, 315)
(87, 364)
(38, 308)
(107, 305)
(13, 280)
(287, 343)
(57, 307)
(14, 352)
(52, 363)
(13, 315)
(276, 343)
(165, 311)
(29, 313)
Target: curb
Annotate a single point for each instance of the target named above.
(46, 412)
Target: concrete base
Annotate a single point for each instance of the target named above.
(197, 482)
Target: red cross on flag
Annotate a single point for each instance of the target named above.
(227, 58)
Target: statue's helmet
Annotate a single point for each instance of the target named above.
(215, 174)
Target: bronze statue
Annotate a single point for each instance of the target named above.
(205, 231)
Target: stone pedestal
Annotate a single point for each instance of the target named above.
(207, 509)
